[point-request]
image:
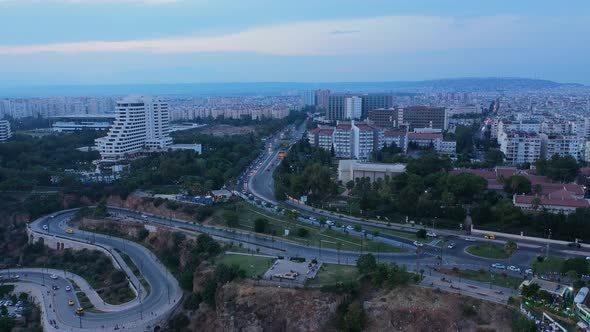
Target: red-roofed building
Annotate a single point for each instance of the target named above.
(424, 139)
(557, 202)
(396, 137)
(321, 137)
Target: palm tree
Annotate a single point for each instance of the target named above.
(510, 247)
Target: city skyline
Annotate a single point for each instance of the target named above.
(65, 42)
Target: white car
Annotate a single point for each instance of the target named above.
(431, 234)
(451, 245)
(498, 266)
(418, 244)
(330, 223)
(513, 268)
(68, 288)
(470, 239)
(528, 271)
(350, 228)
(53, 276)
(45, 227)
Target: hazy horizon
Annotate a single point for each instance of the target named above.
(97, 42)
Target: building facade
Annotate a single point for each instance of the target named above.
(142, 122)
(5, 131)
(353, 108)
(423, 117)
(375, 101)
(520, 147)
(383, 117)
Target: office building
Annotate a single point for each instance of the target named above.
(308, 97)
(423, 117)
(376, 101)
(5, 132)
(142, 122)
(321, 99)
(72, 123)
(353, 108)
(383, 117)
(336, 107)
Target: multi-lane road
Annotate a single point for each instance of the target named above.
(151, 308)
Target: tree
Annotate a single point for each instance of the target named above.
(302, 232)
(494, 157)
(231, 218)
(354, 319)
(577, 264)
(517, 184)
(322, 221)
(421, 233)
(101, 209)
(358, 228)
(510, 247)
(564, 169)
(529, 291)
(366, 263)
(260, 225)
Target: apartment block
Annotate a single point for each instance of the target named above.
(520, 147)
(142, 122)
(5, 132)
(423, 117)
(562, 145)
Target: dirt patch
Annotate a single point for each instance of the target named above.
(227, 130)
(417, 309)
(242, 306)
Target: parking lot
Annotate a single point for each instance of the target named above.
(289, 271)
(14, 309)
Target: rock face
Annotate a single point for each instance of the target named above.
(249, 308)
(418, 309)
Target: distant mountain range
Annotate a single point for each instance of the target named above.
(499, 84)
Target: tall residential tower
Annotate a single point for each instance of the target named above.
(142, 122)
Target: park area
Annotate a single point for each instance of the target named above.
(330, 274)
(253, 265)
(488, 250)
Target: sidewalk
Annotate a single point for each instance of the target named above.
(495, 294)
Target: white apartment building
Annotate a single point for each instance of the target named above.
(562, 145)
(363, 137)
(398, 138)
(142, 122)
(520, 147)
(353, 107)
(446, 147)
(321, 137)
(5, 132)
(343, 140)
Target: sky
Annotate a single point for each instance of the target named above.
(63, 42)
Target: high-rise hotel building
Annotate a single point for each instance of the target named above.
(142, 123)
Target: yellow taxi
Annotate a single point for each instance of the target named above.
(71, 302)
(70, 231)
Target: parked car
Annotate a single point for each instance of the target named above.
(330, 223)
(431, 234)
(574, 245)
(513, 268)
(350, 228)
(499, 266)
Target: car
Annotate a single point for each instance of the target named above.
(489, 236)
(418, 244)
(71, 302)
(470, 239)
(431, 234)
(513, 268)
(588, 258)
(528, 271)
(70, 231)
(498, 266)
(350, 228)
(55, 287)
(45, 227)
(53, 276)
(451, 245)
(68, 288)
(330, 223)
(9, 303)
(144, 216)
(79, 311)
(574, 245)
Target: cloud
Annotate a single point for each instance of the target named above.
(374, 35)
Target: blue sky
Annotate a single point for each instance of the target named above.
(46, 42)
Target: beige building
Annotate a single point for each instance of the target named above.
(351, 169)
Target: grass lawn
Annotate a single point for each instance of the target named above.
(277, 224)
(487, 250)
(549, 264)
(333, 273)
(500, 279)
(253, 265)
(84, 300)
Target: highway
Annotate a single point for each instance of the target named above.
(142, 315)
(261, 185)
